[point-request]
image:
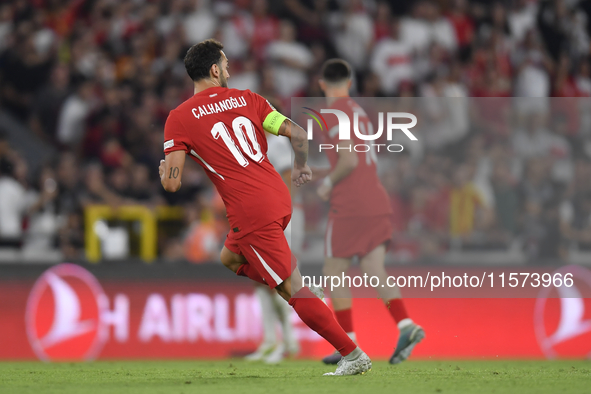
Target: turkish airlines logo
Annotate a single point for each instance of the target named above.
(562, 316)
(63, 316)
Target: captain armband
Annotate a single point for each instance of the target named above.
(273, 122)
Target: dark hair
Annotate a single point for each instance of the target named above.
(336, 70)
(200, 57)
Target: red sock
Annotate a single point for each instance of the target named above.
(316, 315)
(397, 310)
(250, 272)
(345, 319)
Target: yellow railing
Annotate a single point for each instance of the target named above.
(147, 217)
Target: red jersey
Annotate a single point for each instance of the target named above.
(222, 130)
(360, 193)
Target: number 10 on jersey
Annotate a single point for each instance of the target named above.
(243, 129)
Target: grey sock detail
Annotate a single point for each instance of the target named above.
(354, 355)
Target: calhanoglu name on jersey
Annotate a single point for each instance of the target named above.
(220, 106)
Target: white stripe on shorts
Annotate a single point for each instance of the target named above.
(275, 277)
(329, 238)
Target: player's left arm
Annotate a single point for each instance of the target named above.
(278, 124)
(171, 170)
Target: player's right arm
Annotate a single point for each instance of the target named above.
(346, 163)
(176, 147)
(171, 170)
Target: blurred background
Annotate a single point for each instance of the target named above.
(500, 175)
(86, 86)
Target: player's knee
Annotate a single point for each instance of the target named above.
(331, 269)
(283, 291)
(286, 288)
(224, 257)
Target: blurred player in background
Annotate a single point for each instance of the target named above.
(274, 309)
(359, 223)
(224, 131)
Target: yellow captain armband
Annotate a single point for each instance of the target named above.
(273, 122)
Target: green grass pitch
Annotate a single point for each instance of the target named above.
(236, 376)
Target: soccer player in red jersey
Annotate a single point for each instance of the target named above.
(359, 222)
(223, 130)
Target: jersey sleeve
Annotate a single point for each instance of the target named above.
(261, 105)
(175, 136)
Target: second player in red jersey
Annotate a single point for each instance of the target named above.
(360, 193)
(359, 223)
(359, 216)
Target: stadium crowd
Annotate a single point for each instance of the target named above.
(95, 80)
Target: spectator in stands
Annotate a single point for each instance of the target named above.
(142, 189)
(522, 18)
(48, 103)
(425, 27)
(95, 189)
(463, 25)
(169, 65)
(43, 224)
(250, 33)
(290, 62)
(392, 61)
(467, 208)
(170, 16)
(532, 66)
(583, 78)
(353, 33)
(537, 185)
(247, 77)
(118, 180)
(311, 18)
(421, 224)
(113, 155)
(72, 118)
(71, 236)
(575, 221)
(198, 243)
(6, 25)
(13, 205)
(506, 203)
(383, 18)
(533, 230)
(561, 26)
(23, 71)
(201, 240)
(535, 140)
(200, 23)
